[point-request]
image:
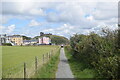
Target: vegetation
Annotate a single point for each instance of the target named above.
(59, 40)
(14, 56)
(6, 44)
(26, 38)
(99, 52)
(49, 69)
(119, 37)
(78, 68)
(56, 39)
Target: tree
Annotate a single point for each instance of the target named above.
(26, 38)
(119, 36)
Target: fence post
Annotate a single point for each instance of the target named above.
(43, 58)
(25, 75)
(36, 63)
(49, 55)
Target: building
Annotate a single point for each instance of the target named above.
(2, 39)
(43, 34)
(5, 39)
(17, 39)
(45, 40)
(30, 42)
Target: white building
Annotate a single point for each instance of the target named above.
(7, 39)
(45, 40)
(30, 42)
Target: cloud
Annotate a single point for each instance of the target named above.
(65, 29)
(75, 17)
(75, 13)
(90, 18)
(34, 23)
(7, 30)
(69, 30)
(106, 11)
(21, 8)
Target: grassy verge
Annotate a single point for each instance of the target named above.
(78, 69)
(49, 69)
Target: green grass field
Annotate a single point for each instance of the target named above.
(15, 56)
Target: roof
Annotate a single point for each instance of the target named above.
(30, 40)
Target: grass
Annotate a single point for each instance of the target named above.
(49, 69)
(78, 69)
(15, 56)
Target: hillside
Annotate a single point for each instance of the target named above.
(55, 39)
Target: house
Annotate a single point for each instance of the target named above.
(17, 39)
(45, 40)
(30, 42)
(5, 39)
(43, 34)
(2, 39)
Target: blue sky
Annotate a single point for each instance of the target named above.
(64, 19)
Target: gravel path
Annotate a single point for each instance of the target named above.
(63, 67)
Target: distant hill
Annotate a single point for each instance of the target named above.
(55, 39)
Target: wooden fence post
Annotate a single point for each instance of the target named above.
(25, 75)
(49, 55)
(43, 58)
(36, 63)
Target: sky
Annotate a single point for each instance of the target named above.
(64, 18)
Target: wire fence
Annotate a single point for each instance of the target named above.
(29, 68)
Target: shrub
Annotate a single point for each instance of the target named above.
(98, 51)
(6, 44)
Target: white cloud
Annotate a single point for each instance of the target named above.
(17, 8)
(74, 13)
(90, 18)
(60, 1)
(65, 29)
(8, 29)
(37, 12)
(106, 11)
(69, 30)
(34, 23)
(76, 17)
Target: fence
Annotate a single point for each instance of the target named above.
(29, 68)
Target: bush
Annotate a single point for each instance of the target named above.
(98, 51)
(108, 67)
(6, 44)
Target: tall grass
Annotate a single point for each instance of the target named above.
(48, 70)
(79, 70)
